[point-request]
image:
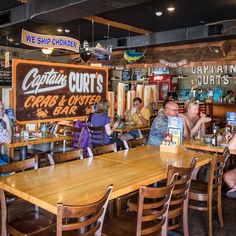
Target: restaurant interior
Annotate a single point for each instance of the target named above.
(117, 118)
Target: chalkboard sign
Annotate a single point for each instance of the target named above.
(5, 74)
(126, 75)
(52, 91)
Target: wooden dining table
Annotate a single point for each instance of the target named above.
(203, 146)
(85, 181)
(32, 140)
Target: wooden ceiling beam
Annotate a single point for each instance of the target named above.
(115, 24)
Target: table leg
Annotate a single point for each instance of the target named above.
(23, 153)
(11, 154)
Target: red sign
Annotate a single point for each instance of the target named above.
(46, 91)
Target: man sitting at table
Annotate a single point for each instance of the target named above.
(160, 124)
(139, 115)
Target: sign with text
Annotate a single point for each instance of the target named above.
(46, 91)
(5, 74)
(49, 41)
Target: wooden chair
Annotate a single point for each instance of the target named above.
(87, 219)
(135, 143)
(31, 222)
(102, 149)
(146, 218)
(207, 193)
(97, 134)
(179, 201)
(74, 143)
(65, 157)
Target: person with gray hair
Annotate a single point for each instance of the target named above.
(160, 124)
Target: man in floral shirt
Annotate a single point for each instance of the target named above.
(160, 124)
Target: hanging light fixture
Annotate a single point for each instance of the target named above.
(47, 51)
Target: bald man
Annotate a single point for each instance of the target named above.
(160, 124)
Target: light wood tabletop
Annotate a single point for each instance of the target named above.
(84, 181)
(21, 142)
(203, 146)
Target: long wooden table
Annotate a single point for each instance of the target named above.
(203, 146)
(21, 142)
(84, 181)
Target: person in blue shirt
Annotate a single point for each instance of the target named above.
(160, 124)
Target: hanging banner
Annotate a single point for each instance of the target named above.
(45, 91)
(176, 64)
(49, 41)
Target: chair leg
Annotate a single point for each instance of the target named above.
(209, 206)
(118, 206)
(219, 208)
(110, 205)
(185, 218)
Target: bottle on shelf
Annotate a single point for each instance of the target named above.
(43, 130)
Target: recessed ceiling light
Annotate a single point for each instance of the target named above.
(158, 13)
(10, 40)
(170, 9)
(59, 30)
(67, 31)
(17, 44)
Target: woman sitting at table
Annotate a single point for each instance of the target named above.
(230, 176)
(193, 121)
(100, 118)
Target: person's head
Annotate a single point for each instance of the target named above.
(137, 103)
(1, 108)
(171, 108)
(193, 107)
(102, 106)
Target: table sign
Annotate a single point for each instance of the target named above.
(45, 91)
(175, 127)
(231, 118)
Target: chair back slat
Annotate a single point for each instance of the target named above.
(97, 134)
(64, 157)
(137, 142)
(152, 218)
(85, 219)
(31, 163)
(103, 149)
